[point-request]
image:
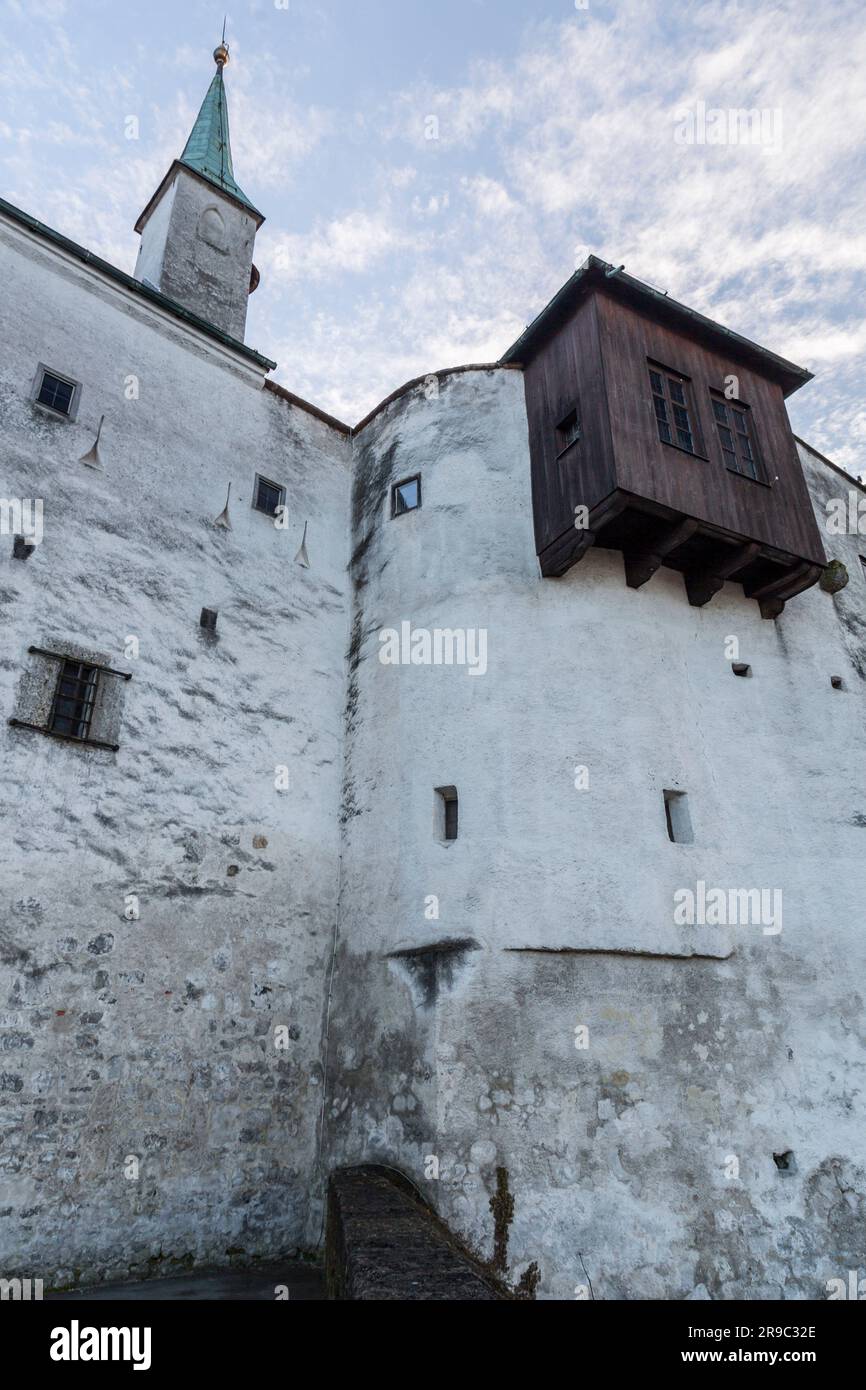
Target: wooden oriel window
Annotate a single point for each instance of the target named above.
(737, 437)
(74, 698)
(676, 419)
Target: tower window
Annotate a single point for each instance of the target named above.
(268, 496)
(737, 437)
(568, 431)
(679, 822)
(56, 393)
(446, 813)
(406, 496)
(674, 411)
(74, 696)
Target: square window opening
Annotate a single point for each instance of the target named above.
(56, 393)
(568, 431)
(406, 496)
(268, 496)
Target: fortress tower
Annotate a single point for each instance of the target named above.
(359, 779)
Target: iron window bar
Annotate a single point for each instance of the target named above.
(73, 706)
(95, 665)
(74, 699)
(65, 738)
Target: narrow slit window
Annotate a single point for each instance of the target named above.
(268, 496)
(446, 812)
(74, 698)
(679, 822)
(736, 433)
(406, 496)
(675, 415)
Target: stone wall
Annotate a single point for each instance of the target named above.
(156, 1039)
(657, 1109)
(676, 1106)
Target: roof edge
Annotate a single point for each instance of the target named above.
(417, 380)
(144, 215)
(837, 467)
(129, 282)
(308, 406)
(596, 273)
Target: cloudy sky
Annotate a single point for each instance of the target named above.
(433, 170)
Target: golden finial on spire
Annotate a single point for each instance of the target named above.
(221, 52)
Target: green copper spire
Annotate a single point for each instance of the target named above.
(208, 150)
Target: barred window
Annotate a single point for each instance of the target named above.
(66, 695)
(74, 696)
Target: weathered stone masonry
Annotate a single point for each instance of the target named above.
(218, 987)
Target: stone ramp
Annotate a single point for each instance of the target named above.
(384, 1242)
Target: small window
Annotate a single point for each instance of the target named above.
(446, 813)
(737, 436)
(406, 496)
(56, 393)
(675, 414)
(679, 822)
(74, 696)
(567, 432)
(268, 496)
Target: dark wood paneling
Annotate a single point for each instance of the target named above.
(569, 369)
(779, 515)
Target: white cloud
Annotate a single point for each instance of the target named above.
(427, 252)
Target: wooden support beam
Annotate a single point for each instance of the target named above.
(774, 593)
(701, 585)
(641, 565)
(558, 557)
